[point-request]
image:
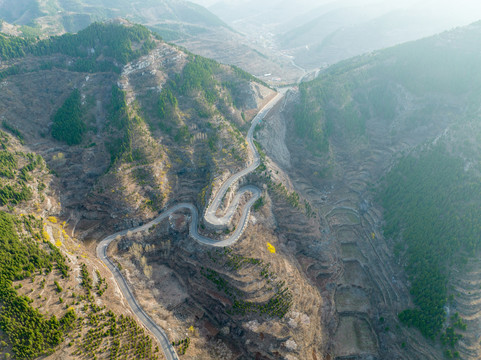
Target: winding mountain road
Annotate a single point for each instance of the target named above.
(210, 217)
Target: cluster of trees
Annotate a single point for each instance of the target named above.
(12, 70)
(309, 119)
(432, 207)
(337, 103)
(117, 337)
(292, 198)
(13, 47)
(450, 338)
(101, 284)
(29, 332)
(120, 126)
(278, 305)
(167, 103)
(8, 164)
(198, 75)
(34, 162)
(258, 204)
(221, 283)
(14, 131)
(110, 40)
(183, 345)
(25, 252)
(15, 194)
(18, 190)
(241, 74)
(232, 261)
(183, 135)
(87, 282)
(20, 258)
(211, 87)
(68, 125)
(4, 140)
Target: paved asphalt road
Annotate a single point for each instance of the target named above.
(210, 217)
(210, 213)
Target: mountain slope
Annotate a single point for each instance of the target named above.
(155, 125)
(44, 303)
(188, 24)
(357, 31)
(384, 145)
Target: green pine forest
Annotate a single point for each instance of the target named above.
(432, 209)
(18, 170)
(28, 259)
(68, 125)
(29, 332)
(96, 48)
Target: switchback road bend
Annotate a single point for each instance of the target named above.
(209, 217)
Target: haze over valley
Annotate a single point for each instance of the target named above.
(319, 33)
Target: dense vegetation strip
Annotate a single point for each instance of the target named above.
(120, 127)
(433, 210)
(14, 130)
(198, 75)
(68, 125)
(210, 86)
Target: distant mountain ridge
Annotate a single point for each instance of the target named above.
(172, 18)
(187, 24)
(324, 32)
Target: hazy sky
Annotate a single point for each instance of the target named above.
(461, 12)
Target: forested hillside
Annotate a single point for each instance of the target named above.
(433, 205)
(107, 40)
(183, 22)
(414, 108)
(112, 116)
(29, 260)
(201, 112)
(208, 89)
(346, 96)
(43, 308)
